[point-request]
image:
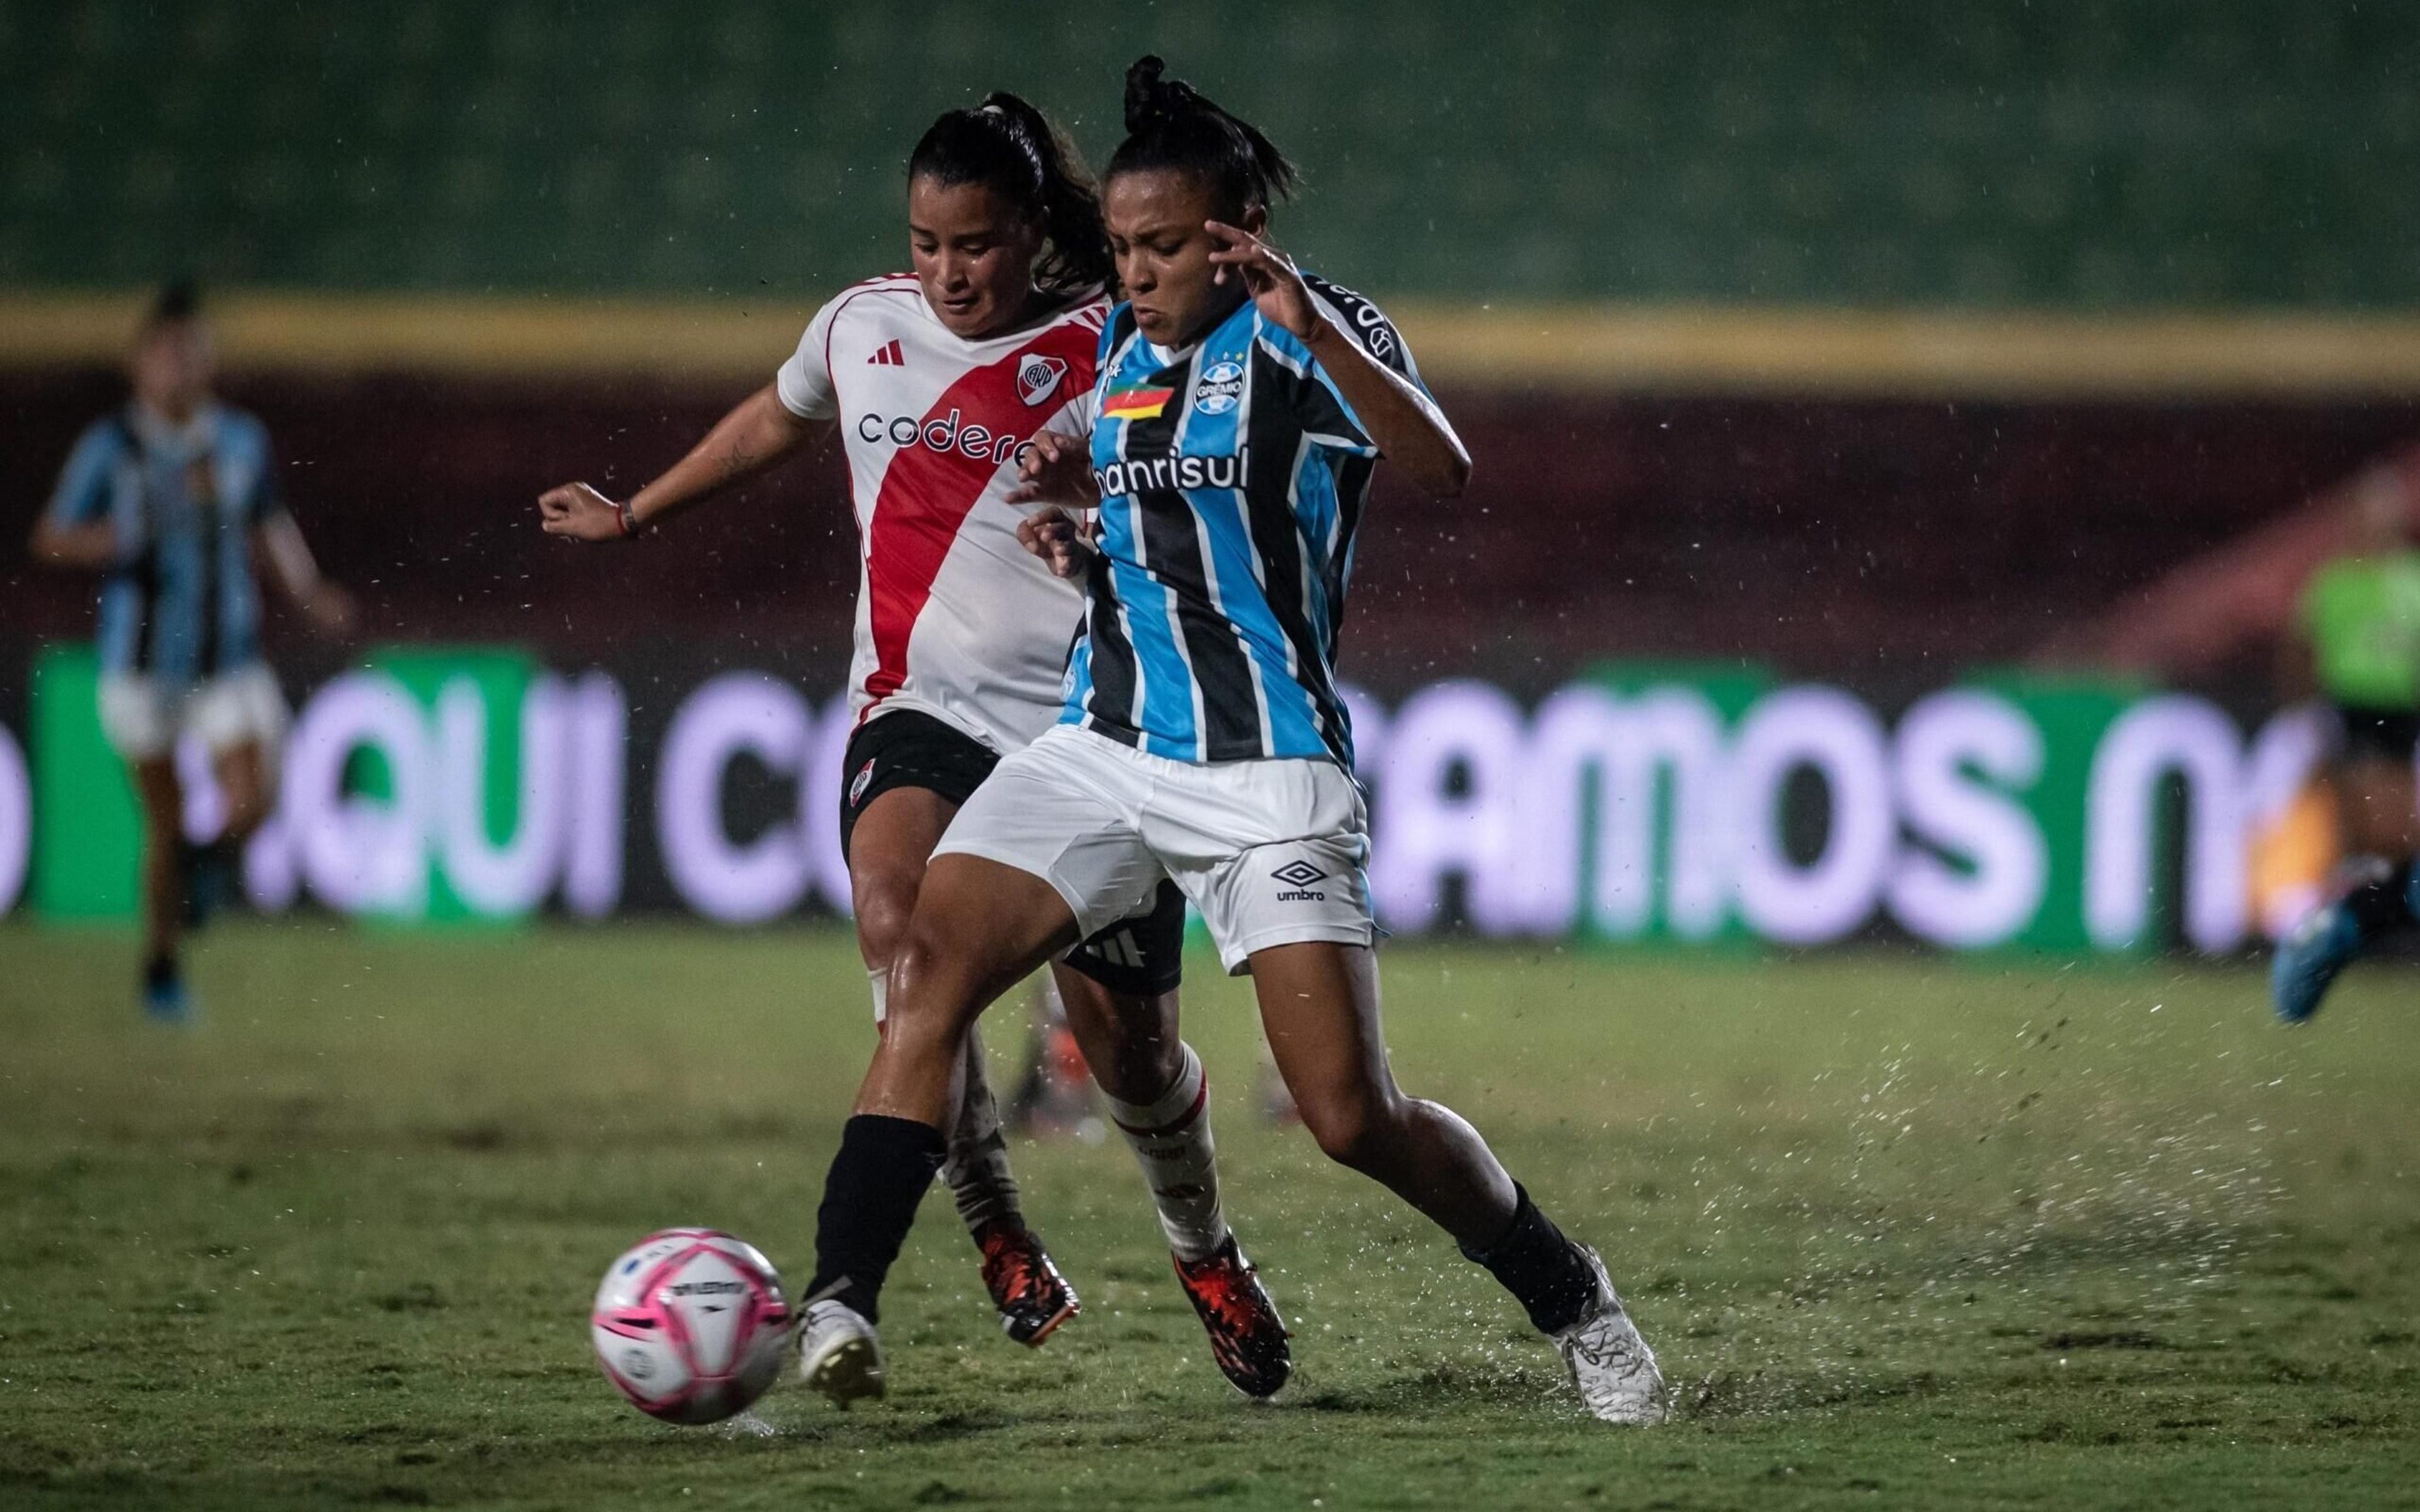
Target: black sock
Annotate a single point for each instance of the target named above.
(1545, 1272)
(207, 871)
(160, 971)
(870, 1198)
(2378, 906)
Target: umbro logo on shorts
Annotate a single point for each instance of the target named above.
(1297, 877)
(888, 355)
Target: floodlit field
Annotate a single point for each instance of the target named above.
(1906, 1231)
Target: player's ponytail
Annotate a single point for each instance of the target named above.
(1010, 147)
(1169, 124)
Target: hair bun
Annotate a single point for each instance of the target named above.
(1149, 96)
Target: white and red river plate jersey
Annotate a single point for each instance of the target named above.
(954, 619)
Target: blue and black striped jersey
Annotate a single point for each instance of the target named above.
(180, 603)
(1233, 476)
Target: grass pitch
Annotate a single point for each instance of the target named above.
(1905, 1231)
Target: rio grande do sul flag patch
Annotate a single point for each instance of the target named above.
(1136, 403)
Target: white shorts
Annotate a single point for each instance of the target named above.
(143, 716)
(1271, 851)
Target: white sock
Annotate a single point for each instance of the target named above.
(1171, 1138)
(976, 1167)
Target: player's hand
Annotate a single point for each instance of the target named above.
(579, 512)
(1056, 469)
(1269, 277)
(1058, 538)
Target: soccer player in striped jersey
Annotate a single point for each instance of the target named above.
(1241, 406)
(938, 382)
(171, 499)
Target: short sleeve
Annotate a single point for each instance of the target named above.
(266, 498)
(804, 384)
(83, 493)
(1319, 405)
(1368, 324)
(1311, 396)
(1074, 417)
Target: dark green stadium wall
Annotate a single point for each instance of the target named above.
(2068, 155)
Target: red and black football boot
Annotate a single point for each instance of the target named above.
(1247, 1339)
(1032, 1297)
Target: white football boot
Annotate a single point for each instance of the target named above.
(1611, 1364)
(838, 1353)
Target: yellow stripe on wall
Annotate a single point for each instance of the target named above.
(1605, 349)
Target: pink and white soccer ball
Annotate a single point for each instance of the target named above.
(690, 1325)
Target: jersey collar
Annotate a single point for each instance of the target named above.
(165, 437)
(1169, 356)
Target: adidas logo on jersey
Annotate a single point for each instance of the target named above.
(890, 355)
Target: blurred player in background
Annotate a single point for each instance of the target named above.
(1239, 413)
(938, 381)
(170, 498)
(1054, 1087)
(2360, 643)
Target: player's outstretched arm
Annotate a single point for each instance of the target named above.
(759, 432)
(327, 606)
(1406, 424)
(91, 547)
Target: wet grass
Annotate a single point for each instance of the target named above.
(1906, 1232)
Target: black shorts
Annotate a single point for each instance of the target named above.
(1142, 954)
(2378, 735)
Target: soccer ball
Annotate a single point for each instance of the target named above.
(690, 1325)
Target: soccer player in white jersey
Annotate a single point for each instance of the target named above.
(1241, 406)
(938, 381)
(171, 499)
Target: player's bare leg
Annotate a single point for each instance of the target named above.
(162, 796)
(978, 929)
(1160, 1100)
(1319, 1007)
(243, 773)
(1130, 1042)
(889, 850)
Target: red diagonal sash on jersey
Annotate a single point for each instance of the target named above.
(926, 492)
